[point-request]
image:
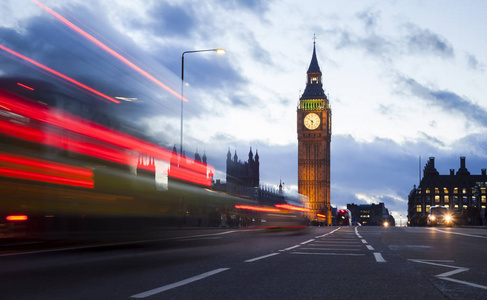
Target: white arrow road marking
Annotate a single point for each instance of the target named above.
(446, 275)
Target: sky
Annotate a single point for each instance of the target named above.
(406, 80)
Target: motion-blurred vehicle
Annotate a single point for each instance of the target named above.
(344, 217)
(74, 164)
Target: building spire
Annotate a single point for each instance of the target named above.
(314, 67)
(314, 86)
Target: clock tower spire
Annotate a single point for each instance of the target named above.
(314, 137)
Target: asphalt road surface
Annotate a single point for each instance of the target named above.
(317, 263)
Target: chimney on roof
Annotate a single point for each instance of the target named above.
(452, 171)
(463, 170)
(483, 172)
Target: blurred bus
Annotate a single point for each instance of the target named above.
(72, 165)
(344, 217)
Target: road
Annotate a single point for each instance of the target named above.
(318, 263)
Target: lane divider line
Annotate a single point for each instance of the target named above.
(178, 284)
(262, 257)
(290, 248)
(378, 257)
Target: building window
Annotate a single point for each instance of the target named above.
(437, 199)
(456, 205)
(474, 200)
(483, 198)
(445, 190)
(428, 208)
(464, 191)
(437, 191)
(447, 199)
(455, 190)
(418, 208)
(482, 190)
(427, 191)
(428, 199)
(455, 200)
(464, 200)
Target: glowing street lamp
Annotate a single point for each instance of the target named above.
(218, 51)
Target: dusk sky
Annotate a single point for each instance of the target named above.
(405, 79)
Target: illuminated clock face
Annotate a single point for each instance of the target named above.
(312, 121)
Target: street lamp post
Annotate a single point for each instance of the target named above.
(219, 51)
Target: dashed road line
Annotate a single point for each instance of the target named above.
(291, 248)
(178, 284)
(329, 253)
(262, 257)
(378, 257)
(370, 247)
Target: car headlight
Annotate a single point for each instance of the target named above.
(386, 224)
(432, 218)
(448, 218)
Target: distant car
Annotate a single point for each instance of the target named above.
(440, 215)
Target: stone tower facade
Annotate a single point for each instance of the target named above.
(314, 137)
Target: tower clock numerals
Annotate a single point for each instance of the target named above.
(312, 121)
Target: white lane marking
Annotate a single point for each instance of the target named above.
(331, 249)
(328, 253)
(178, 284)
(453, 272)
(464, 282)
(290, 248)
(445, 276)
(378, 257)
(370, 247)
(261, 257)
(356, 232)
(364, 241)
(308, 241)
(331, 232)
(336, 243)
(464, 234)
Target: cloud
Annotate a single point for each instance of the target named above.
(369, 18)
(473, 63)
(256, 6)
(423, 41)
(444, 99)
(170, 20)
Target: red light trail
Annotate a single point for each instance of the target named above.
(257, 208)
(107, 49)
(291, 207)
(78, 135)
(45, 171)
(67, 78)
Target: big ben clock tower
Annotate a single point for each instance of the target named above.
(314, 137)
